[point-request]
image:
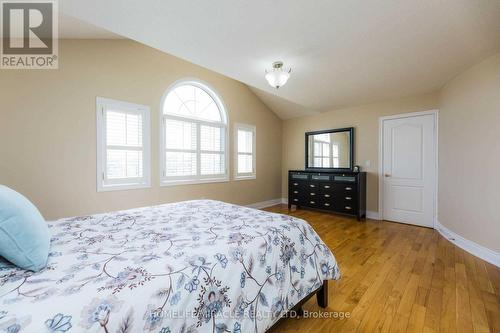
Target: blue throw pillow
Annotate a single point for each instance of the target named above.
(24, 234)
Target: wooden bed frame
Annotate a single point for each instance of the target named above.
(321, 297)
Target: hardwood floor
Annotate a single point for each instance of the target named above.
(398, 278)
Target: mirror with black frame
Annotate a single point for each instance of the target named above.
(330, 149)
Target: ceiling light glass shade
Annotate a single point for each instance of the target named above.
(278, 76)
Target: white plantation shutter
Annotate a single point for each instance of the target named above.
(122, 164)
(212, 150)
(124, 150)
(193, 135)
(123, 145)
(180, 144)
(245, 151)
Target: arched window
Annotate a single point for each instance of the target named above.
(193, 135)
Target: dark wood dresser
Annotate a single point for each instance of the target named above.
(339, 192)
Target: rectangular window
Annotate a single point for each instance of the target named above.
(193, 151)
(245, 167)
(180, 148)
(123, 145)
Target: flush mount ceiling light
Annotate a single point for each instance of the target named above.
(278, 75)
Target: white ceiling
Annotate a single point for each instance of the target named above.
(342, 53)
(71, 27)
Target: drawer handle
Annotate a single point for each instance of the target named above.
(327, 186)
(295, 184)
(312, 202)
(348, 188)
(348, 198)
(327, 195)
(311, 185)
(295, 192)
(312, 193)
(295, 199)
(327, 204)
(348, 207)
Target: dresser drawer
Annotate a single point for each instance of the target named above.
(298, 191)
(306, 194)
(348, 200)
(312, 202)
(300, 176)
(345, 189)
(327, 204)
(313, 187)
(328, 196)
(295, 184)
(312, 193)
(345, 208)
(307, 201)
(326, 187)
(345, 178)
(321, 178)
(337, 187)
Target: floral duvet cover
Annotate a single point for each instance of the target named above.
(193, 266)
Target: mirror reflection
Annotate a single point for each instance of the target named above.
(329, 150)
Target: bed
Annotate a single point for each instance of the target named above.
(193, 266)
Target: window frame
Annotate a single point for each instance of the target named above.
(246, 175)
(102, 105)
(224, 123)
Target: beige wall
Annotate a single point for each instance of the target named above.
(469, 154)
(48, 135)
(365, 121)
(48, 128)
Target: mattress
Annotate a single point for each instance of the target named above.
(193, 266)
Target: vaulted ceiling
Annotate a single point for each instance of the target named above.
(342, 53)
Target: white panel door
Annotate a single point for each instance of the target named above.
(409, 169)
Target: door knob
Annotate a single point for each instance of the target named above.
(387, 175)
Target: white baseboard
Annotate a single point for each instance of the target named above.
(372, 215)
(473, 248)
(284, 201)
(264, 204)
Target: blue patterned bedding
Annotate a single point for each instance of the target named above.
(194, 266)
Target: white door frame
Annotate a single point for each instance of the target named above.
(381, 120)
